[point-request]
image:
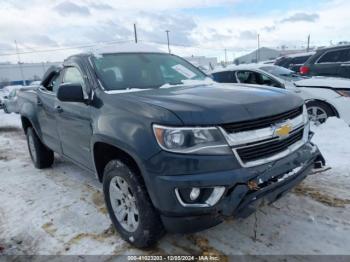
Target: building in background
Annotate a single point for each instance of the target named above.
(263, 54)
(16, 74)
(266, 54)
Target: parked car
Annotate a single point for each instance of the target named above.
(1, 103)
(324, 96)
(332, 61)
(5, 93)
(174, 150)
(293, 61)
(10, 102)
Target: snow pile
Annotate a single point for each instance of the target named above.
(9, 120)
(333, 140)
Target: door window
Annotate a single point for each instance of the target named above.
(225, 77)
(12, 94)
(333, 57)
(250, 77)
(244, 77)
(346, 55)
(73, 75)
(53, 84)
(299, 60)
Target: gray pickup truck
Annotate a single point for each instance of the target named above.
(174, 150)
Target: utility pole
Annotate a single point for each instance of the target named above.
(225, 56)
(20, 64)
(135, 32)
(258, 50)
(167, 37)
(308, 43)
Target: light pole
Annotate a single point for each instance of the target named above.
(258, 50)
(20, 64)
(167, 37)
(135, 33)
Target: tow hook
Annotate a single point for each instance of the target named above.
(320, 165)
(252, 185)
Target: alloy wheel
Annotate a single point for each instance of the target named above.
(31, 146)
(124, 204)
(317, 115)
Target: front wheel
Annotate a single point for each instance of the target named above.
(41, 156)
(319, 112)
(6, 110)
(129, 205)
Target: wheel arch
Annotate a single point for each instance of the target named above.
(335, 111)
(105, 149)
(26, 123)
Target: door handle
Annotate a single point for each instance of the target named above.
(59, 109)
(348, 64)
(39, 103)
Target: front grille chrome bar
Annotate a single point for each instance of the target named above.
(257, 137)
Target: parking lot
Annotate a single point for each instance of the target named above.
(61, 210)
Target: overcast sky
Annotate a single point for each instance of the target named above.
(208, 26)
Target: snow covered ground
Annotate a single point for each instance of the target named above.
(61, 210)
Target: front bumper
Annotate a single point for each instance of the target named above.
(342, 105)
(239, 200)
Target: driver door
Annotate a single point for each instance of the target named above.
(74, 122)
(46, 113)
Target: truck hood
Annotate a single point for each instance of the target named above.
(219, 103)
(319, 81)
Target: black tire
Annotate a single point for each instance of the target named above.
(41, 156)
(5, 110)
(150, 228)
(323, 107)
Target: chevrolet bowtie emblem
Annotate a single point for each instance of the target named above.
(283, 130)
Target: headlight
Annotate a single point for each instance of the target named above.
(196, 140)
(344, 92)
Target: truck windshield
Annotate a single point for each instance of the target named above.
(143, 70)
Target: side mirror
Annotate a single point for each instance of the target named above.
(70, 92)
(6, 97)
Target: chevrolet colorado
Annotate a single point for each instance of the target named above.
(175, 151)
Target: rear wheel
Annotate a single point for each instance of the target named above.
(41, 156)
(129, 205)
(319, 112)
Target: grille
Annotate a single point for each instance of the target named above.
(262, 122)
(255, 152)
